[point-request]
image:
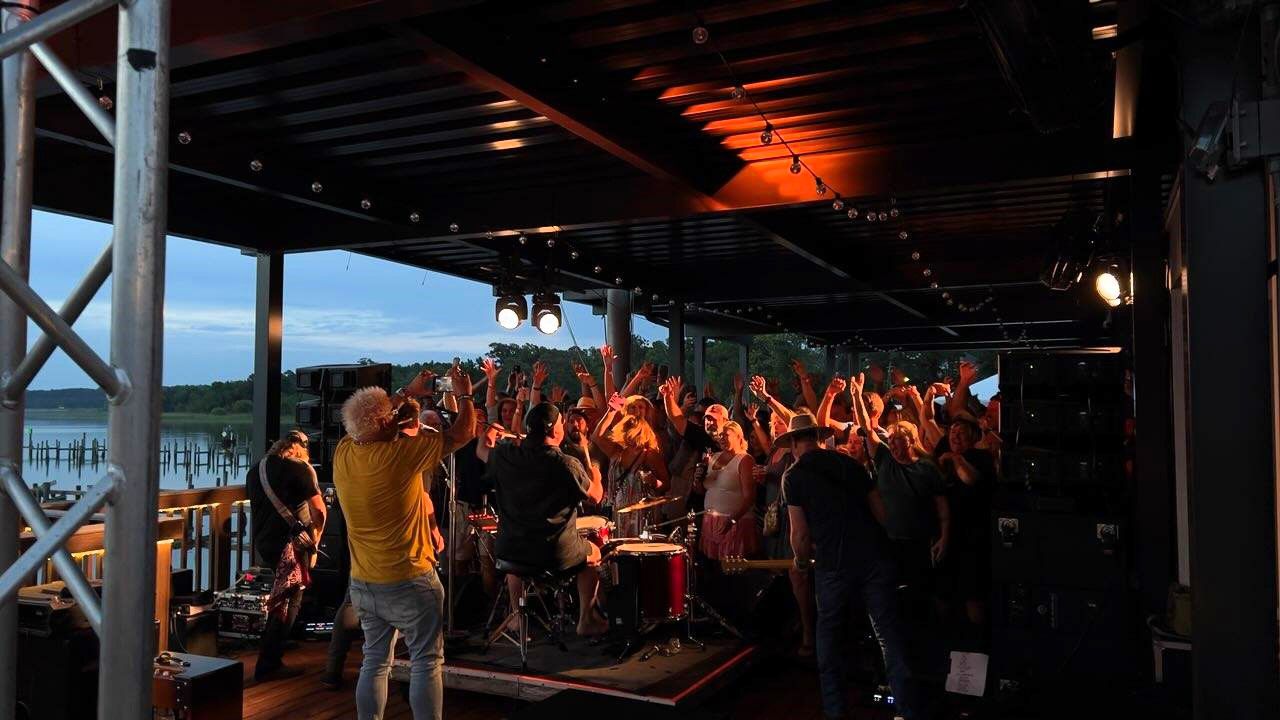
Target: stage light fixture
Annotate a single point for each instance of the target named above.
(546, 313)
(510, 309)
(1110, 286)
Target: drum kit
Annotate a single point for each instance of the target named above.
(647, 573)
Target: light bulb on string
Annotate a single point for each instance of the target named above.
(523, 239)
(819, 186)
(701, 34)
(766, 136)
(883, 216)
(573, 254)
(597, 269)
(737, 92)
(255, 165)
(915, 255)
(837, 204)
(184, 138)
(316, 187)
(415, 217)
(903, 235)
(871, 216)
(551, 242)
(796, 167)
(365, 203)
(853, 213)
(453, 227)
(617, 280)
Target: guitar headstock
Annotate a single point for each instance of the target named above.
(733, 564)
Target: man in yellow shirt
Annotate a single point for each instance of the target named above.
(394, 587)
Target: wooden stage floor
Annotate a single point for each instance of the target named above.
(772, 689)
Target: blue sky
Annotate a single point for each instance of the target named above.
(337, 307)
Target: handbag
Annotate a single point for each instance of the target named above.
(772, 518)
(304, 535)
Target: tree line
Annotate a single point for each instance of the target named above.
(770, 356)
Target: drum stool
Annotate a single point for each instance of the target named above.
(535, 582)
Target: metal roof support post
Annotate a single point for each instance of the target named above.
(744, 358)
(268, 327)
(675, 339)
(699, 363)
(15, 249)
(137, 299)
(618, 329)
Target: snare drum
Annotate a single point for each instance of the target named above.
(655, 573)
(595, 529)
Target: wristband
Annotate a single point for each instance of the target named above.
(465, 397)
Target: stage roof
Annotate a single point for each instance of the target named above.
(439, 134)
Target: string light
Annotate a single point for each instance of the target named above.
(316, 187)
(820, 186)
(737, 92)
(366, 203)
(766, 137)
(837, 204)
(255, 165)
(573, 254)
(453, 227)
(853, 213)
(184, 138)
(523, 239)
(414, 217)
(796, 167)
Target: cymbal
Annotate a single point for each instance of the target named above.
(649, 504)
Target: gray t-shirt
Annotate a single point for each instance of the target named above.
(908, 491)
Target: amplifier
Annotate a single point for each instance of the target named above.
(195, 629)
(196, 687)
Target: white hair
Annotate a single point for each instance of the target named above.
(366, 413)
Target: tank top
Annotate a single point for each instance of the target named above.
(724, 490)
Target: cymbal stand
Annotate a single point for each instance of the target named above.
(692, 599)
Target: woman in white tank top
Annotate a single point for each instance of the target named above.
(729, 527)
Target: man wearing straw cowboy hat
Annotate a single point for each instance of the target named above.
(836, 519)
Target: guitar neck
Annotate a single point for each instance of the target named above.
(736, 564)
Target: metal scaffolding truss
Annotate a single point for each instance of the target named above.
(130, 379)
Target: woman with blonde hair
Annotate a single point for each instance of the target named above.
(729, 527)
(636, 467)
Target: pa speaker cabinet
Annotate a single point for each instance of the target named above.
(326, 379)
(196, 687)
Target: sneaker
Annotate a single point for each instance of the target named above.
(281, 672)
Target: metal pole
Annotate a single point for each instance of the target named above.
(58, 18)
(80, 95)
(618, 329)
(67, 567)
(75, 304)
(267, 331)
(675, 339)
(15, 247)
(699, 364)
(36, 555)
(137, 301)
(14, 284)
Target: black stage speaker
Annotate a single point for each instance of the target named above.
(57, 657)
(322, 379)
(1062, 420)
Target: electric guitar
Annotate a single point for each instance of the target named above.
(733, 564)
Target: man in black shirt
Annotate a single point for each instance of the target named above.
(970, 473)
(837, 518)
(696, 440)
(538, 490)
(294, 484)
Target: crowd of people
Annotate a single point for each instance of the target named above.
(877, 490)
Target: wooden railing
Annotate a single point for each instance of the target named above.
(212, 538)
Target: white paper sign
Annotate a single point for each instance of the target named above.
(968, 674)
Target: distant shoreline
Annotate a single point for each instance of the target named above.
(171, 418)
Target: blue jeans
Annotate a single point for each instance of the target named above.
(416, 608)
(878, 588)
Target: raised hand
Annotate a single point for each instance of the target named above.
(751, 411)
(606, 354)
(421, 384)
(941, 389)
(490, 368)
(522, 395)
(461, 381)
(647, 370)
(773, 385)
(759, 387)
(708, 390)
(968, 371)
(557, 394)
(797, 367)
(670, 388)
(836, 386)
(914, 393)
(540, 373)
(858, 381)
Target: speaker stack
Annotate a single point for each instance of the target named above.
(1060, 530)
(321, 417)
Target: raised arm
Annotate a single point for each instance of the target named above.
(662, 479)
(600, 434)
(464, 425)
(596, 492)
(760, 388)
(806, 384)
(589, 384)
(751, 414)
(930, 432)
(517, 417)
(670, 392)
(834, 388)
(960, 400)
(860, 406)
(735, 410)
(638, 380)
(540, 375)
(490, 368)
(606, 355)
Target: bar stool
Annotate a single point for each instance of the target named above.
(535, 582)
